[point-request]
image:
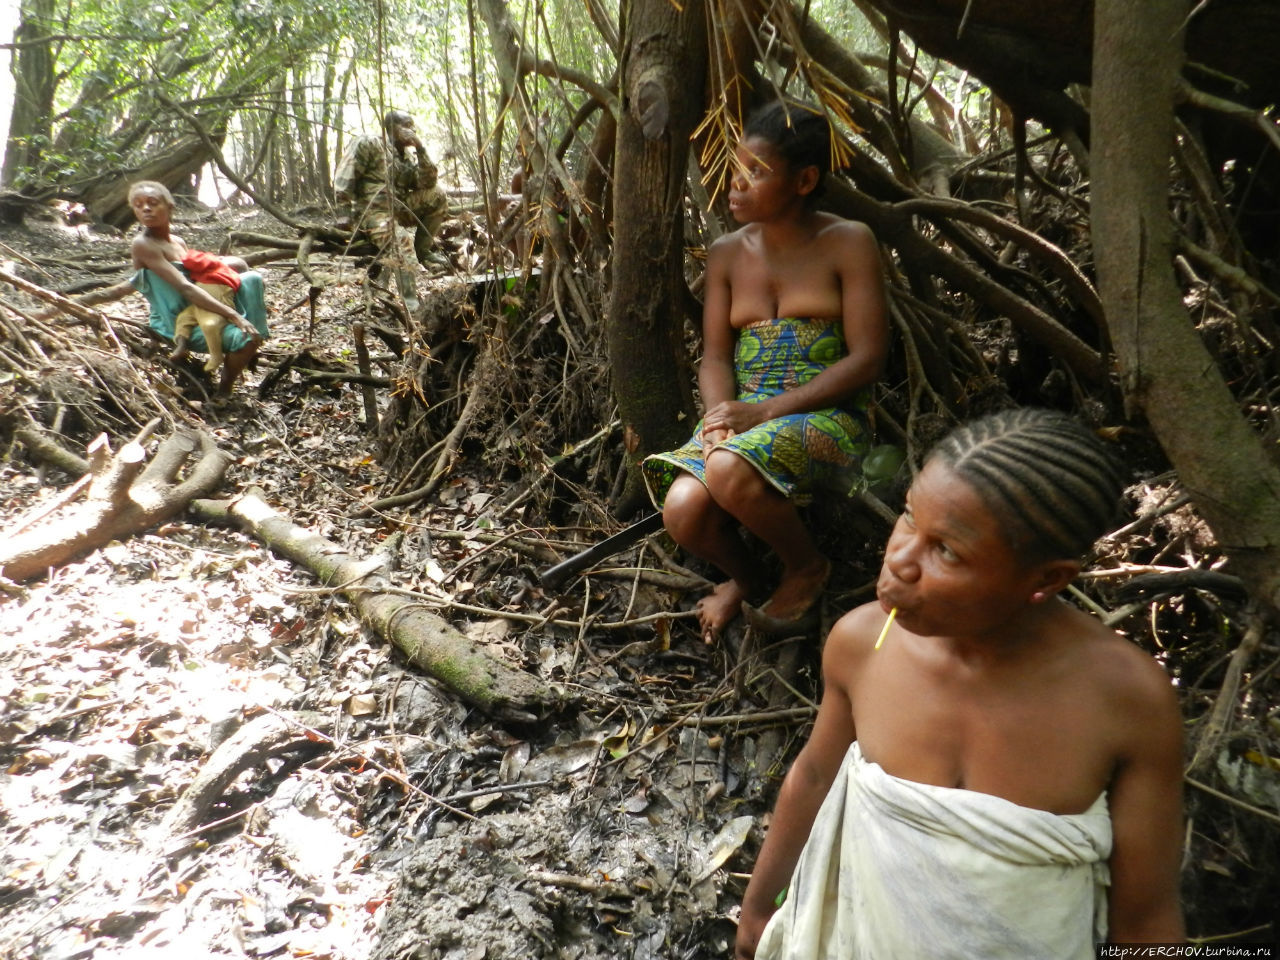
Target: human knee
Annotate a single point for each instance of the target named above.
(730, 478)
(685, 510)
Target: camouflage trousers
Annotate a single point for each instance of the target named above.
(409, 235)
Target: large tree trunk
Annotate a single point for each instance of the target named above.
(108, 198)
(34, 82)
(664, 50)
(1167, 371)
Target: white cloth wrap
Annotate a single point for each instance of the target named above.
(898, 870)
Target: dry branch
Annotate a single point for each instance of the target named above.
(124, 497)
(894, 227)
(1213, 729)
(1051, 256)
(429, 642)
(253, 744)
(44, 449)
(48, 296)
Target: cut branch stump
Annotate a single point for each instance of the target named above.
(123, 496)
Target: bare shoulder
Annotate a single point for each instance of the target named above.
(721, 255)
(838, 232)
(726, 246)
(851, 640)
(143, 250)
(1125, 678)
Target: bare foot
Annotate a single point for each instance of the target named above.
(181, 347)
(798, 591)
(718, 608)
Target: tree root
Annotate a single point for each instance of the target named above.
(429, 642)
(258, 740)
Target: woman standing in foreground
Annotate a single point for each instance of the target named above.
(1002, 777)
(794, 334)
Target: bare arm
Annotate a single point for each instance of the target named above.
(149, 255)
(805, 787)
(1145, 797)
(856, 259)
(716, 380)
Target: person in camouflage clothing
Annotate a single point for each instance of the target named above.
(386, 187)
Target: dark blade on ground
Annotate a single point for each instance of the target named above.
(553, 577)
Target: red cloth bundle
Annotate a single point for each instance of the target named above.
(207, 268)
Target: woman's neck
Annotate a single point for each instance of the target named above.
(1031, 629)
(786, 229)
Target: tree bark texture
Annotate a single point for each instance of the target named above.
(429, 642)
(1166, 369)
(31, 123)
(663, 62)
(122, 499)
(108, 198)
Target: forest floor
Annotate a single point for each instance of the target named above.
(612, 830)
(396, 822)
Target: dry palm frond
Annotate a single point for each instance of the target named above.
(776, 28)
(720, 131)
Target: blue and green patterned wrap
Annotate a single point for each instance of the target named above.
(167, 303)
(801, 452)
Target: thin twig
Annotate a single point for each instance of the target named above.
(764, 716)
(1215, 727)
(1234, 801)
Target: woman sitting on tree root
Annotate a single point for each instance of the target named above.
(175, 279)
(794, 334)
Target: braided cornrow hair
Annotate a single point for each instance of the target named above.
(1044, 473)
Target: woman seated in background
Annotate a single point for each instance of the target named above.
(793, 336)
(175, 279)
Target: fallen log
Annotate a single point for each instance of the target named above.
(123, 496)
(428, 641)
(44, 449)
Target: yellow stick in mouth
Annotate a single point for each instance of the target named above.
(887, 624)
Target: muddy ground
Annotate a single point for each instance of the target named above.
(412, 826)
(374, 814)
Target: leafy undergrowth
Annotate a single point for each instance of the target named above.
(394, 821)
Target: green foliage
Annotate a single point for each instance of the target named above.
(222, 63)
(214, 59)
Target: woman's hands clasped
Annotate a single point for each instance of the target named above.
(727, 419)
